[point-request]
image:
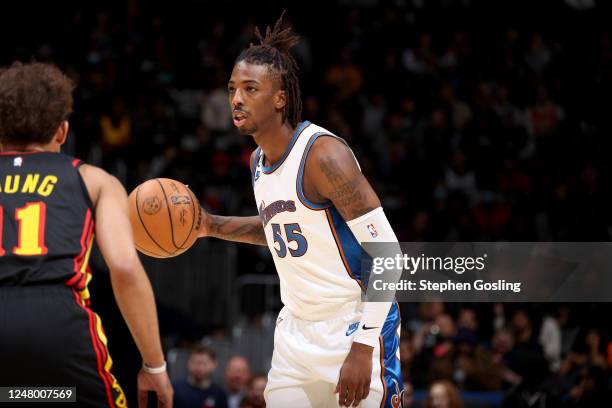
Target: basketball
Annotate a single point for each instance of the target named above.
(165, 217)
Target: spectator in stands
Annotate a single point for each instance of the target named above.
(406, 354)
(115, 139)
(544, 115)
(533, 390)
(440, 356)
(474, 367)
(345, 77)
(507, 112)
(445, 330)
(539, 55)
(569, 328)
(116, 128)
(586, 353)
(527, 351)
(550, 340)
(501, 347)
(428, 312)
(591, 389)
(460, 111)
(499, 316)
(427, 336)
(216, 113)
(237, 375)
(459, 177)
(421, 59)
(527, 361)
(255, 392)
(443, 394)
(467, 319)
(197, 390)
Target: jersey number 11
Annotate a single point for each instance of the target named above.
(31, 235)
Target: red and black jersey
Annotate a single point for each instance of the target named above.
(48, 334)
(46, 220)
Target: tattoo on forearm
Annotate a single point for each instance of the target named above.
(345, 194)
(236, 229)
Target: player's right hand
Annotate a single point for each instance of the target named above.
(355, 375)
(158, 383)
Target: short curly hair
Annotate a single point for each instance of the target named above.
(34, 100)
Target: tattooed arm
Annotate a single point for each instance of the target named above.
(240, 229)
(248, 230)
(331, 173)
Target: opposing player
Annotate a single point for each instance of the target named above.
(315, 207)
(50, 207)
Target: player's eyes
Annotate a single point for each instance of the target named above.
(250, 89)
(230, 89)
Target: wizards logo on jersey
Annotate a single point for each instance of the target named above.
(266, 213)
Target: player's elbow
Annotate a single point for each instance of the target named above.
(126, 269)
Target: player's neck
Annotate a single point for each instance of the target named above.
(25, 148)
(274, 142)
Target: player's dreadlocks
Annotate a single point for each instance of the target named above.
(273, 51)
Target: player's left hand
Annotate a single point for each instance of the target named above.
(355, 375)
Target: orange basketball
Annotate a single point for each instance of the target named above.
(165, 217)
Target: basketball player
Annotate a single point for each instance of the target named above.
(50, 207)
(315, 207)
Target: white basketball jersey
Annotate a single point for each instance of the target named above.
(316, 255)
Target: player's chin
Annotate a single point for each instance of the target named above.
(246, 129)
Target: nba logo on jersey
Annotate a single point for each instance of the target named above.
(372, 230)
(17, 162)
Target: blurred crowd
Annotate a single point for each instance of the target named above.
(552, 356)
(469, 128)
(240, 388)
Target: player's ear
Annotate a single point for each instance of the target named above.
(280, 99)
(61, 133)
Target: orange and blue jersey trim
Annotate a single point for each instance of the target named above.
(300, 176)
(348, 247)
(299, 183)
(391, 371)
(382, 371)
